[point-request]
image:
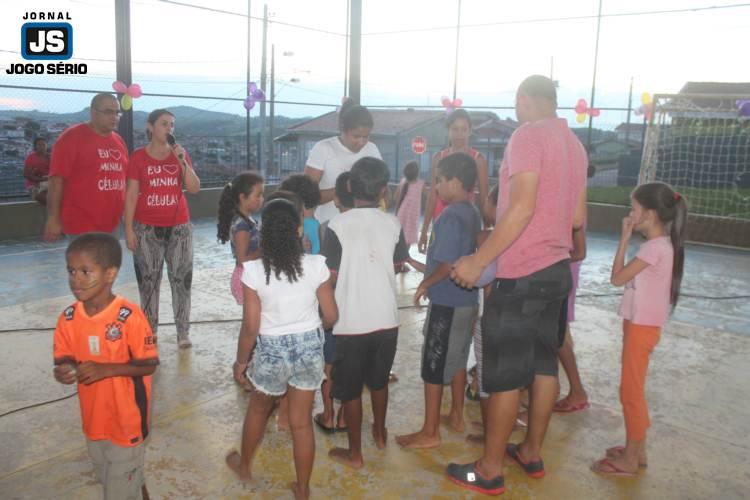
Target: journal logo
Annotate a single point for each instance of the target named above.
(40, 41)
(45, 38)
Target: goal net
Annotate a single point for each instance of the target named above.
(700, 144)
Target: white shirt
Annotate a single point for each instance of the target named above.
(363, 246)
(285, 307)
(333, 158)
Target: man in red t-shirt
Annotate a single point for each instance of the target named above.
(36, 170)
(542, 200)
(87, 175)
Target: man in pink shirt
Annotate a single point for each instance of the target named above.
(542, 199)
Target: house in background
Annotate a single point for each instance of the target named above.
(393, 133)
(627, 132)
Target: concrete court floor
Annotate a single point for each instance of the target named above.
(698, 396)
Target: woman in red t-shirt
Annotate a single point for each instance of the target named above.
(459, 132)
(157, 221)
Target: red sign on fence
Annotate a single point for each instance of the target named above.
(419, 145)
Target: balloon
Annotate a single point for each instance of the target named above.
(581, 117)
(743, 108)
(126, 102)
(445, 101)
(254, 94)
(645, 98)
(594, 112)
(135, 91)
(119, 87)
(581, 106)
(457, 103)
(249, 103)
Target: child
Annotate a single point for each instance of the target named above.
(308, 191)
(282, 292)
(239, 200)
(652, 286)
(452, 310)
(104, 343)
(325, 420)
(409, 203)
(361, 247)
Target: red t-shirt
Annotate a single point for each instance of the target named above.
(549, 148)
(160, 198)
(35, 165)
(93, 170)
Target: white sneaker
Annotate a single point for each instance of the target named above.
(183, 340)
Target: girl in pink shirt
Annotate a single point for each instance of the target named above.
(652, 286)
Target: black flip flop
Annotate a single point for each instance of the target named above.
(326, 429)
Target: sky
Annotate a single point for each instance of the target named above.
(408, 51)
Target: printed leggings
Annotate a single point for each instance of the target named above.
(155, 244)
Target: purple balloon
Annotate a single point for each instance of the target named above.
(743, 108)
(249, 103)
(488, 275)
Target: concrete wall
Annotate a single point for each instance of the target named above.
(26, 220)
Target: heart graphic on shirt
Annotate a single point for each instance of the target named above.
(171, 169)
(115, 154)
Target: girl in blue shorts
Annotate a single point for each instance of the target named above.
(282, 328)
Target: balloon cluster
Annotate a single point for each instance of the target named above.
(647, 106)
(128, 94)
(582, 109)
(254, 94)
(743, 108)
(450, 105)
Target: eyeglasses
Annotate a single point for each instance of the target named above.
(109, 112)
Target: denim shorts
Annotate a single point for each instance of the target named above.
(280, 360)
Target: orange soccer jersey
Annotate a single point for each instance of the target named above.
(115, 408)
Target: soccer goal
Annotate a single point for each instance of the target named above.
(700, 144)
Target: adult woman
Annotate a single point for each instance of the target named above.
(157, 221)
(333, 156)
(459, 131)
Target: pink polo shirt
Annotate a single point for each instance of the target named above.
(549, 148)
(646, 298)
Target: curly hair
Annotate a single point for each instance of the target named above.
(243, 183)
(306, 188)
(280, 242)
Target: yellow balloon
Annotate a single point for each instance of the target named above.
(645, 98)
(581, 117)
(126, 102)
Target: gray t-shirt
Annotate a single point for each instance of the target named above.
(454, 236)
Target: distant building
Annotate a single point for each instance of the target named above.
(393, 134)
(630, 132)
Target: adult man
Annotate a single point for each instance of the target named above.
(87, 175)
(542, 199)
(36, 170)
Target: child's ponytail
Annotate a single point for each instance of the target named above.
(677, 235)
(226, 213)
(671, 209)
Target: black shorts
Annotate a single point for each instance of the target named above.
(520, 328)
(562, 323)
(362, 360)
(329, 346)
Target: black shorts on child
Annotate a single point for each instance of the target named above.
(362, 360)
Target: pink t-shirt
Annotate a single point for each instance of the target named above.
(549, 148)
(646, 298)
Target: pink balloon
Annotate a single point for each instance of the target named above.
(445, 101)
(581, 106)
(457, 103)
(594, 112)
(119, 87)
(134, 91)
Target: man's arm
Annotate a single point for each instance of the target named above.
(53, 226)
(521, 207)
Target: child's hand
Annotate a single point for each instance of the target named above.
(91, 371)
(627, 227)
(65, 373)
(422, 245)
(420, 294)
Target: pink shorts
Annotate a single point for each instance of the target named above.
(235, 284)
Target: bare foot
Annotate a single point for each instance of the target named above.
(614, 467)
(455, 423)
(343, 456)
(380, 440)
(619, 451)
(299, 492)
(234, 462)
(418, 441)
(324, 420)
(477, 424)
(475, 439)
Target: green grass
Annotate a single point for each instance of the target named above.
(718, 202)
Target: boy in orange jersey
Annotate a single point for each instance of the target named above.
(105, 344)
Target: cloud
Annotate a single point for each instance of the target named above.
(18, 103)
